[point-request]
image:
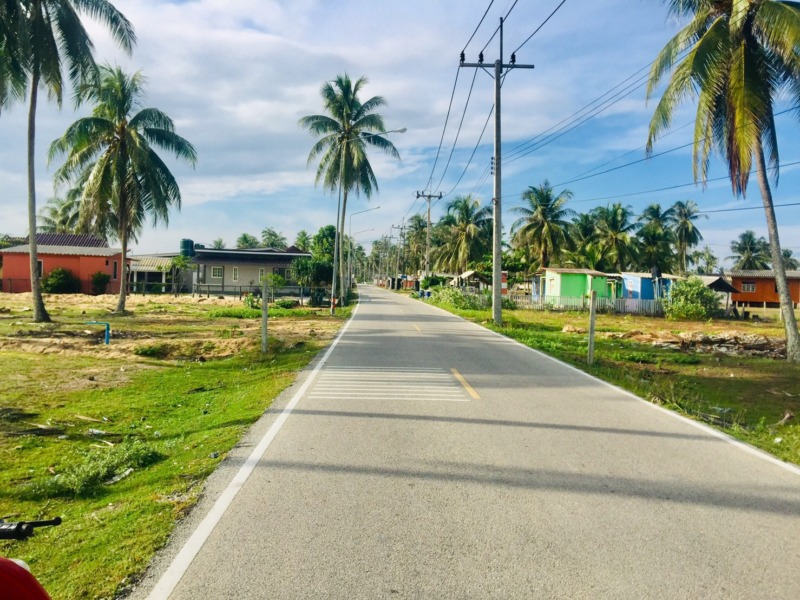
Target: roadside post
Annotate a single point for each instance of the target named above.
(264, 317)
(592, 312)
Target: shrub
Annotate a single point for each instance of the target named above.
(691, 300)
(458, 299)
(432, 281)
(252, 301)
(152, 350)
(61, 281)
(286, 303)
(317, 297)
(100, 282)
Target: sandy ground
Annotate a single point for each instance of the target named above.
(216, 338)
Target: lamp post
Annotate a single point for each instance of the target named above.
(349, 248)
(339, 217)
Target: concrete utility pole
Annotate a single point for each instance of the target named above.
(497, 253)
(428, 230)
(401, 239)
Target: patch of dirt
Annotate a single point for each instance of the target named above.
(734, 343)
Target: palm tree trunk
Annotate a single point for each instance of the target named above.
(343, 293)
(39, 311)
(123, 274)
(787, 306)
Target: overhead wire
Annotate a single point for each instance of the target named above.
(478, 27)
(550, 16)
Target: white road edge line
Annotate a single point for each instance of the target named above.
(175, 572)
(701, 426)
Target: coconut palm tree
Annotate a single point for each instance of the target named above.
(790, 263)
(686, 233)
(543, 222)
(60, 215)
(654, 218)
(466, 234)
(247, 241)
(348, 129)
(126, 179)
(705, 260)
(273, 239)
(654, 249)
(12, 65)
(737, 58)
(55, 43)
(416, 239)
(302, 240)
(615, 231)
(218, 244)
(750, 253)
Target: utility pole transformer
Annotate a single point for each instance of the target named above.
(428, 230)
(497, 250)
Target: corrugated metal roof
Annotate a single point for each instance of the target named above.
(718, 283)
(64, 250)
(150, 264)
(650, 275)
(763, 274)
(564, 271)
(69, 239)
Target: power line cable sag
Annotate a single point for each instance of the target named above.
(479, 26)
(539, 27)
(458, 132)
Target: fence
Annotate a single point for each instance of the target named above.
(287, 291)
(651, 308)
(18, 286)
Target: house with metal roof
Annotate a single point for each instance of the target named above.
(83, 255)
(758, 288)
(573, 283)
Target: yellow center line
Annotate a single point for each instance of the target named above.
(417, 327)
(470, 390)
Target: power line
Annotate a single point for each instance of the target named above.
(458, 132)
(719, 210)
(479, 26)
(539, 27)
(444, 129)
(489, 116)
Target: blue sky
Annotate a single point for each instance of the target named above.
(236, 77)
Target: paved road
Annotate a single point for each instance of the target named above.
(429, 458)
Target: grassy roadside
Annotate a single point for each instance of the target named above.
(119, 442)
(744, 396)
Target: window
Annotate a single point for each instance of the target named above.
(39, 267)
(235, 274)
(261, 274)
(216, 272)
(279, 271)
(748, 286)
(114, 274)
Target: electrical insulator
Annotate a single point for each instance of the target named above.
(480, 58)
(462, 57)
(513, 58)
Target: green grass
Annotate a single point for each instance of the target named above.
(70, 423)
(744, 396)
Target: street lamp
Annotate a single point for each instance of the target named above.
(350, 249)
(339, 220)
(350, 254)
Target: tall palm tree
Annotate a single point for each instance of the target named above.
(615, 230)
(126, 180)
(302, 240)
(247, 241)
(740, 57)
(654, 218)
(749, 252)
(12, 62)
(416, 239)
(686, 233)
(56, 42)
(348, 129)
(790, 263)
(273, 239)
(467, 234)
(706, 261)
(60, 215)
(654, 249)
(543, 222)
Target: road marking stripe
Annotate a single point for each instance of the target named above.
(417, 327)
(470, 390)
(176, 570)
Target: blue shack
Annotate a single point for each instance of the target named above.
(642, 286)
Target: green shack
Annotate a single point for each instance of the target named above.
(575, 283)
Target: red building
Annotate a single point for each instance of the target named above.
(83, 255)
(759, 288)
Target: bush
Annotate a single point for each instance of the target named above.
(100, 282)
(61, 281)
(285, 303)
(690, 300)
(153, 350)
(458, 299)
(252, 301)
(317, 297)
(432, 281)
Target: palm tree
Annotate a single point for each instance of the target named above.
(56, 42)
(60, 215)
(615, 230)
(12, 65)
(654, 218)
(750, 253)
(740, 57)
(467, 234)
(543, 223)
(127, 180)
(686, 233)
(706, 261)
(302, 241)
(654, 248)
(416, 237)
(273, 239)
(247, 241)
(347, 129)
(790, 263)
(218, 244)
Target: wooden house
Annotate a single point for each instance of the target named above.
(574, 283)
(642, 286)
(758, 288)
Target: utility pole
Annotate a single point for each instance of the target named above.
(497, 252)
(401, 240)
(428, 230)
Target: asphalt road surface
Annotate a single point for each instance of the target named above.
(425, 457)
